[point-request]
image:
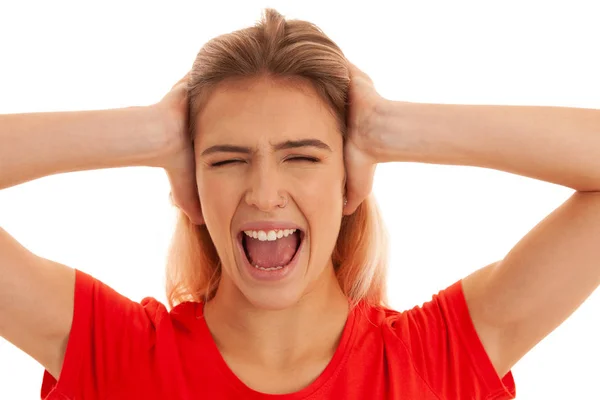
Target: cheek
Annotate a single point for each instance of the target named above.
(218, 203)
(320, 196)
(216, 190)
(324, 185)
(320, 199)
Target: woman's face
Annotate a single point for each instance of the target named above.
(261, 145)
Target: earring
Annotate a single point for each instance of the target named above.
(345, 201)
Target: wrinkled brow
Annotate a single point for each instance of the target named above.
(288, 144)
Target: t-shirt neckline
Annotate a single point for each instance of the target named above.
(332, 369)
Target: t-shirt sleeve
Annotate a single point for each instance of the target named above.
(447, 352)
(110, 335)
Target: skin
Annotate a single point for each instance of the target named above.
(514, 302)
(270, 324)
(517, 301)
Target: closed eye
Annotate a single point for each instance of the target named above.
(225, 162)
(302, 158)
(296, 158)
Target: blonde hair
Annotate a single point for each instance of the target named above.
(286, 50)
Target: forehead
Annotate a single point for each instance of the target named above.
(245, 111)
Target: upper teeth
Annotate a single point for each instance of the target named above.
(270, 235)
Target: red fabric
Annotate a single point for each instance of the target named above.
(119, 349)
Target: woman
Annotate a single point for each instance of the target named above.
(276, 278)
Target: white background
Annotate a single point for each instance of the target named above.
(445, 222)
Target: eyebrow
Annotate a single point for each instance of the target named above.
(288, 144)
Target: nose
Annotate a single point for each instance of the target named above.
(264, 189)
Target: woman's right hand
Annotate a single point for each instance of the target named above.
(177, 153)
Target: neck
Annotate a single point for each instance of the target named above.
(309, 331)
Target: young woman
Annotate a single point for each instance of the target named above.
(276, 280)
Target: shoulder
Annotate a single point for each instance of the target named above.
(437, 326)
(98, 301)
(444, 307)
(439, 342)
(183, 314)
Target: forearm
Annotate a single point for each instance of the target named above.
(554, 144)
(40, 144)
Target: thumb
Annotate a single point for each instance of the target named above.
(360, 172)
(184, 190)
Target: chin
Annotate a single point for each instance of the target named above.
(278, 294)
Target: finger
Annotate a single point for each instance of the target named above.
(358, 189)
(356, 72)
(185, 197)
(184, 191)
(360, 171)
(184, 79)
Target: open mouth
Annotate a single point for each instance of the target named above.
(271, 250)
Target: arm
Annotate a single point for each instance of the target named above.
(36, 145)
(516, 302)
(41, 144)
(553, 144)
(36, 295)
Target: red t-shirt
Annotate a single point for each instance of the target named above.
(119, 349)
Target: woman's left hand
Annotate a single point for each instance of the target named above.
(363, 140)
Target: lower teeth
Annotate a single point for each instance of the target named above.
(268, 269)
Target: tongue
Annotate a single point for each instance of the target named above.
(270, 254)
